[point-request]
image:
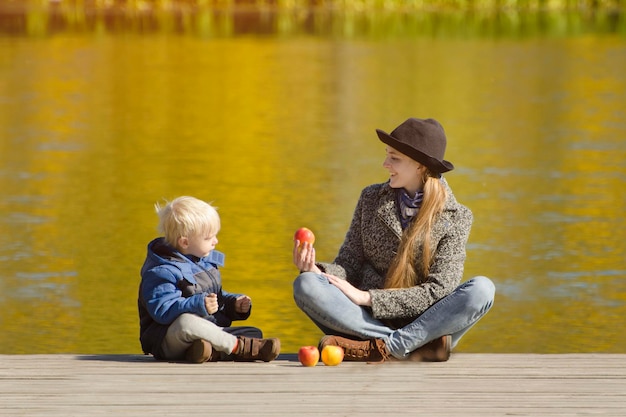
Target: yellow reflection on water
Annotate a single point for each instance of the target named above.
(280, 133)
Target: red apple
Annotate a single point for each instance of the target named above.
(308, 355)
(304, 235)
(332, 355)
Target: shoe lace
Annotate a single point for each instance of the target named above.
(371, 350)
(381, 347)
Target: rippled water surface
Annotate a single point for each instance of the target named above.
(277, 129)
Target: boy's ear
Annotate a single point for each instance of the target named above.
(183, 242)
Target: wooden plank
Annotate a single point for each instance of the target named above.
(467, 385)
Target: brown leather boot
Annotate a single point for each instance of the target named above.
(201, 351)
(373, 350)
(436, 351)
(251, 349)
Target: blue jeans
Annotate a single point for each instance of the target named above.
(336, 314)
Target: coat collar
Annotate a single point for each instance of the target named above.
(387, 209)
(388, 212)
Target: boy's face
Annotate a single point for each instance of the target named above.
(199, 245)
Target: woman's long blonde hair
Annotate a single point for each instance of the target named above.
(403, 272)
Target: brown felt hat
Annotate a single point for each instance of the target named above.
(423, 140)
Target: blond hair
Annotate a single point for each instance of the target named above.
(405, 270)
(185, 217)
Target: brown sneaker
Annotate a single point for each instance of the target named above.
(436, 351)
(201, 351)
(373, 350)
(249, 348)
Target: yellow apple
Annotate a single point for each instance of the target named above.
(332, 355)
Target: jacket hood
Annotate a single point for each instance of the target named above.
(160, 253)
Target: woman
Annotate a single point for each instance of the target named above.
(393, 290)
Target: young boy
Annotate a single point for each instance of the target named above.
(183, 311)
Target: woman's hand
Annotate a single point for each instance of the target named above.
(304, 257)
(358, 297)
(243, 304)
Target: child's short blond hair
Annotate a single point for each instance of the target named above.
(186, 217)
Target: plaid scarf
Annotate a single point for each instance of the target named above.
(408, 206)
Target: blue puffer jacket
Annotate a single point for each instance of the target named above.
(173, 284)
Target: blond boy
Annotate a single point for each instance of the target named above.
(184, 312)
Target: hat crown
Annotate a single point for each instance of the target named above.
(423, 140)
(423, 135)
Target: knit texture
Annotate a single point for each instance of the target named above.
(371, 244)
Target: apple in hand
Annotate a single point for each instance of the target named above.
(308, 355)
(332, 355)
(304, 235)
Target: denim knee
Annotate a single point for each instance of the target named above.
(483, 292)
(304, 286)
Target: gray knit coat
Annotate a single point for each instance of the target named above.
(371, 244)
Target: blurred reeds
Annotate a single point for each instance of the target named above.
(337, 17)
(332, 5)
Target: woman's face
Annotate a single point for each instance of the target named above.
(404, 172)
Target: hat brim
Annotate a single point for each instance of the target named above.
(433, 164)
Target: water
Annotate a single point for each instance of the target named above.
(277, 129)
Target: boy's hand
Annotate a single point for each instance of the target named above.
(210, 302)
(243, 304)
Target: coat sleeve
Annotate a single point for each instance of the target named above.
(229, 300)
(350, 258)
(164, 301)
(444, 276)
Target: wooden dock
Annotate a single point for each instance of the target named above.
(468, 385)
